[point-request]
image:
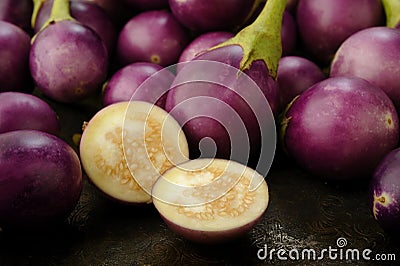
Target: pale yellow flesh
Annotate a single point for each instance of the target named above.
(228, 204)
(127, 145)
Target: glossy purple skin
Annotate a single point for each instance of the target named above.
(324, 24)
(24, 111)
(341, 128)
(258, 72)
(198, 128)
(89, 14)
(203, 42)
(372, 54)
(152, 36)
(40, 177)
(288, 34)
(295, 75)
(118, 12)
(126, 83)
(68, 61)
(147, 4)
(97, 19)
(17, 12)
(14, 58)
(211, 237)
(385, 192)
(211, 15)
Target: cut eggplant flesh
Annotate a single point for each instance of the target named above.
(127, 145)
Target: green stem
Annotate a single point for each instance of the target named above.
(392, 10)
(37, 4)
(262, 39)
(60, 10)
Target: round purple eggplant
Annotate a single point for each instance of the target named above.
(385, 192)
(17, 12)
(128, 84)
(212, 15)
(152, 36)
(41, 179)
(324, 24)
(89, 14)
(225, 99)
(295, 75)
(213, 101)
(372, 54)
(14, 59)
(68, 61)
(24, 111)
(340, 128)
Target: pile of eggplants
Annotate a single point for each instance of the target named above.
(318, 80)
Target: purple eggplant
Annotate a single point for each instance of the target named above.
(68, 61)
(340, 128)
(211, 15)
(140, 81)
(385, 192)
(151, 36)
(295, 75)
(24, 111)
(90, 15)
(41, 179)
(225, 98)
(14, 59)
(374, 55)
(324, 24)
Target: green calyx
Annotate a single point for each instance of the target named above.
(37, 5)
(59, 11)
(392, 11)
(262, 39)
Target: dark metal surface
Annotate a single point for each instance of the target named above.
(304, 213)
